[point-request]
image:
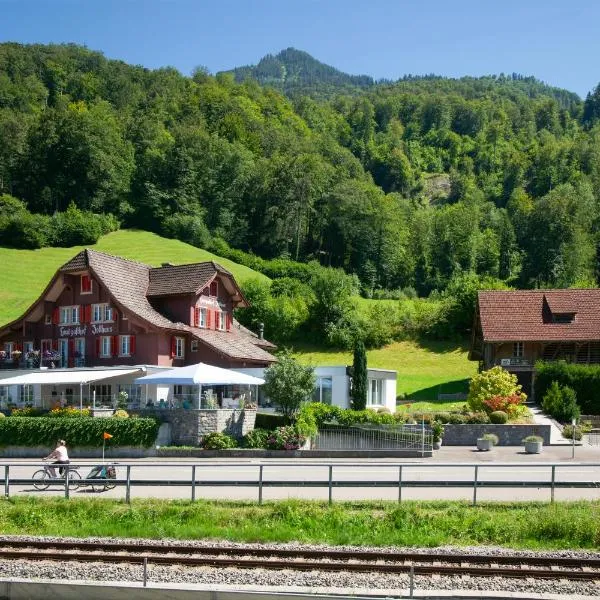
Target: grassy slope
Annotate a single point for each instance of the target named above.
(25, 273)
(423, 370)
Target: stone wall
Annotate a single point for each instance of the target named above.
(189, 426)
(508, 435)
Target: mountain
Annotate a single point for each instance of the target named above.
(294, 70)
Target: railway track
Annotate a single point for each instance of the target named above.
(508, 566)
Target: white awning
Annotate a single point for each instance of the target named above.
(52, 376)
(200, 374)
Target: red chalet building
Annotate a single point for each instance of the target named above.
(102, 310)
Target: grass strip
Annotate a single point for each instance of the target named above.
(573, 525)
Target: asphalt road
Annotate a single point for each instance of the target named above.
(449, 465)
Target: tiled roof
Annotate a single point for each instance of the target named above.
(182, 279)
(526, 315)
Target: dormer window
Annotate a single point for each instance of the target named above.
(86, 284)
(563, 317)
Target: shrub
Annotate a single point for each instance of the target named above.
(120, 414)
(437, 430)
(477, 418)
(569, 431)
(561, 402)
(493, 382)
(68, 412)
(506, 404)
(532, 438)
(28, 412)
(498, 417)
(269, 421)
(285, 438)
(456, 419)
(257, 438)
(2, 415)
(218, 441)
(44, 431)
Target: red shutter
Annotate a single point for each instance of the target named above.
(18, 347)
(55, 345)
(97, 346)
(208, 313)
(71, 344)
(132, 344)
(228, 318)
(115, 315)
(114, 344)
(173, 346)
(56, 316)
(196, 316)
(87, 313)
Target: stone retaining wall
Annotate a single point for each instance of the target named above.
(508, 435)
(189, 426)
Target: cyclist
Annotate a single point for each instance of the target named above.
(61, 455)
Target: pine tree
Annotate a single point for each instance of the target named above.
(359, 377)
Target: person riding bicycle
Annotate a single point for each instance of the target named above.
(61, 455)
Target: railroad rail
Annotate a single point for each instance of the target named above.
(250, 557)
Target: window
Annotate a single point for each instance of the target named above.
(125, 345)
(322, 390)
(8, 348)
(102, 313)
(179, 347)
(220, 320)
(563, 317)
(69, 315)
(374, 392)
(46, 346)
(48, 320)
(27, 348)
(86, 284)
(518, 349)
(79, 348)
(194, 346)
(105, 346)
(202, 317)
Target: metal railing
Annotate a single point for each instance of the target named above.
(405, 437)
(398, 480)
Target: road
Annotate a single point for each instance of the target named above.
(503, 464)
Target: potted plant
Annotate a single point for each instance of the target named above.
(437, 431)
(487, 441)
(16, 355)
(533, 444)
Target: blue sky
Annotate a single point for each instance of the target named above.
(557, 42)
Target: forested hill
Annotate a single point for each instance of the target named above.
(406, 185)
(295, 71)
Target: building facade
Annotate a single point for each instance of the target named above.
(514, 329)
(102, 310)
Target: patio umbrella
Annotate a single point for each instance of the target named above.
(200, 374)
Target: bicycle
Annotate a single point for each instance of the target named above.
(43, 478)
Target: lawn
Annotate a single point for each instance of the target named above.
(571, 525)
(424, 369)
(25, 273)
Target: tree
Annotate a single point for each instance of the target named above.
(359, 377)
(288, 384)
(493, 382)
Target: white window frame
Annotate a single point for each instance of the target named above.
(179, 347)
(27, 348)
(221, 321)
(194, 346)
(375, 392)
(69, 315)
(105, 346)
(124, 345)
(518, 349)
(102, 313)
(108, 313)
(202, 318)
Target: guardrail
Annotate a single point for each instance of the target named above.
(399, 481)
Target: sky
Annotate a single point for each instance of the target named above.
(556, 42)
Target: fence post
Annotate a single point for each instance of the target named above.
(6, 482)
(193, 482)
(330, 484)
(552, 484)
(128, 486)
(66, 474)
(475, 485)
(260, 484)
(400, 484)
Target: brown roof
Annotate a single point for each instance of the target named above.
(526, 315)
(183, 279)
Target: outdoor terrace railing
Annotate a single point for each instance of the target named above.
(258, 477)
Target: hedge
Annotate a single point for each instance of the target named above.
(584, 379)
(44, 431)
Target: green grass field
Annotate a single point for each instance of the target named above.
(25, 273)
(572, 525)
(424, 369)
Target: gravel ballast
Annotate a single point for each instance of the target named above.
(113, 573)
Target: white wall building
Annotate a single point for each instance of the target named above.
(333, 387)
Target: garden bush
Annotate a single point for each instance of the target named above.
(568, 432)
(493, 382)
(120, 414)
(44, 431)
(257, 438)
(68, 412)
(285, 438)
(498, 417)
(560, 402)
(477, 418)
(583, 379)
(218, 441)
